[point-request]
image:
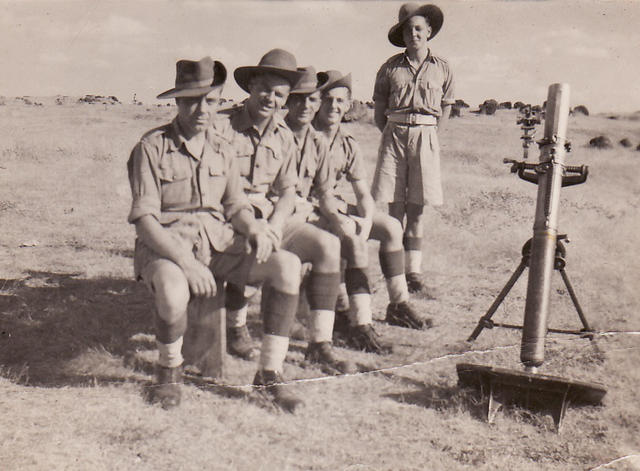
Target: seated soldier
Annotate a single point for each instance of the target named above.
(267, 156)
(313, 189)
(355, 224)
(196, 229)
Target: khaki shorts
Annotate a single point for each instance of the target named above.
(232, 265)
(408, 168)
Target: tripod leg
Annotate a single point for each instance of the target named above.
(486, 319)
(574, 298)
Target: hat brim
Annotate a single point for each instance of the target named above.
(187, 92)
(344, 81)
(433, 14)
(322, 79)
(244, 74)
(219, 79)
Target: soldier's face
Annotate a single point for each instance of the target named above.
(335, 103)
(196, 113)
(416, 32)
(267, 94)
(303, 107)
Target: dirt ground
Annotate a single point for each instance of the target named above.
(76, 332)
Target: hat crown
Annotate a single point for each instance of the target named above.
(191, 73)
(279, 58)
(407, 10)
(336, 79)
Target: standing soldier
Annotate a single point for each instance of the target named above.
(267, 155)
(413, 94)
(357, 223)
(196, 229)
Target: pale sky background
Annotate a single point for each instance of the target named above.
(507, 50)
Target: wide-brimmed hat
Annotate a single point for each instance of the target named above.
(196, 78)
(276, 61)
(432, 13)
(310, 81)
(336, 79)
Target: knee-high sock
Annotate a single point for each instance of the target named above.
(170, 354)
(237, 317)
(322, 293)
(236, 305)
(413, 254)
(274, 350)
(359, 296)
(279, 310)
(169, 340)
(392, 265)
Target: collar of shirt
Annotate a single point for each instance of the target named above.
(340, 136)
(177, 141)
(242, 122)
(429, 58)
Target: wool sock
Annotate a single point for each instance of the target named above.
(170, 354)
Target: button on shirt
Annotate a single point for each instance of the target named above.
(169, 183)
(405, 89)
(267, 163)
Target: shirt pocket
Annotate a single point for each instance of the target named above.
(175, 184)
(431, 91)
(216, 184)
(266, 166)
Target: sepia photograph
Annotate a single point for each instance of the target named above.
(319, 235)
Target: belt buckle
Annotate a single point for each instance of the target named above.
(412, 118)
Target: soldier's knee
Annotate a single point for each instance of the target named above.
(171, 293)
(328, 247)
(285, 272)
(390, 229)
(354, 250)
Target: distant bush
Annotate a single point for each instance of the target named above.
(601, 142)
(580, 109)
(357, 112)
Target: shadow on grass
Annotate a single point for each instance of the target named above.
(439, 397)
(56, 328)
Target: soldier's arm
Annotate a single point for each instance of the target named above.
(381, 92)
(442, 120)
(379, 116)
(145, 211)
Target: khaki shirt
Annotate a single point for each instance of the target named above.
(404, 89)
(169, 183)
(267, 163)
(345, 165)
(312, 164)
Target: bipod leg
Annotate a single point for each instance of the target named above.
(485, 321)
(574, 299)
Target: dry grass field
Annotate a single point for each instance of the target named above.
(76, 337)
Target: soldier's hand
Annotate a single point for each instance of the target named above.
(260, 241)
(363, 226)
(344, 226)
(274, 232)
(200, 279)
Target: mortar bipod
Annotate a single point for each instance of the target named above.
(559, 264)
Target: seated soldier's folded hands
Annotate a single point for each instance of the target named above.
(199, 276)
(262, 240)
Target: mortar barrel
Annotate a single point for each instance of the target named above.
(545, 227)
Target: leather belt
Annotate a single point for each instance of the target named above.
(413, 119)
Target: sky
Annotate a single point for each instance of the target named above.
(506, 50)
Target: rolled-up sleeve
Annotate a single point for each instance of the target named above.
(234, 198)
(381, 86)
(145, 191)
(448, 88)
(355, 166)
